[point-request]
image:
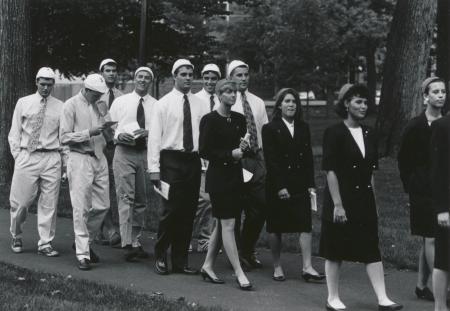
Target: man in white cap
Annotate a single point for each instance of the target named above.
(173, 158)
(203, 221)
(82, 124)
(109, 233)
(133, 112)
(254, 110)
(34, 144)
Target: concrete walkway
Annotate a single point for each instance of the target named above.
(293, 294)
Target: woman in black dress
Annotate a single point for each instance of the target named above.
(349, 219)
(414, 166)
(289, 180)
(221, 143)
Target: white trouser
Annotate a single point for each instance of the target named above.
(89, 194)
(32, 171)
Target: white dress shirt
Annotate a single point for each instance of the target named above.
(166, 125)
(290, 126)
(124, 110)
(205, 96)
(258, 110)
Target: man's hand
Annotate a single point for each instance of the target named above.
(283, 194)
(125, 137)
(96, 130)
(141, 133)
(244, 145)
(443, 219)
(155, 178)
(237, 154)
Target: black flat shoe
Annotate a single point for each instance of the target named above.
(330, 308)
(247, 286)
(424, 294)
(392, 307)
(205, 275)
(279, 278)
(308, 277)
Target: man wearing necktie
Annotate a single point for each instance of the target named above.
(173, 158)
(110, 233)
(203, 221)
(82, 125)
(130, 160)
(34, 144)
(254, 110)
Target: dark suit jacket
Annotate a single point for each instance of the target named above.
(440, 182)
(289, 160)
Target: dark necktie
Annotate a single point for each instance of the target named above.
(188, 142)
(140, 117)
(251, 125)
(211, 103)
(111, 98)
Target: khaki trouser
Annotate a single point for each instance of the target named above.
(129, 173)
(32, 171)
(89, 194)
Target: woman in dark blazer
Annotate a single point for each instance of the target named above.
(221, 143)
(414, 166)
(350, 218)
(440, 185)
(289, 180)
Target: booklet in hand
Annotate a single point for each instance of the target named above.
(110, 123)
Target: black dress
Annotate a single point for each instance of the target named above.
(290, 165)
(440, 184)
(357, 239)
(224, 181)
(414, 166)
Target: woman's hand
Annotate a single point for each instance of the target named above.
(237, 154)
(283, 194)
(339, 215)
(244, 145)
(443, 219)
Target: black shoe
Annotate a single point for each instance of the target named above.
(115, 241)
(131, 253)
(84, 264)
(330, 308)
(308, 277)
(279, 278)
(424, 294)
(93, 255)
(251, 261)
(205, 275)
(247, 286)
(141, 253)
(392, 307)
(185, 270)
(161, 267)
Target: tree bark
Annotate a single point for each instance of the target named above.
(443, 44)
(405, 68)
(15, 71)
(371, 75)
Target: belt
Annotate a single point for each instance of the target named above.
(43, 150)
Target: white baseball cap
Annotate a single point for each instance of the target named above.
(211, 67)
(95, 82)
(181, 62)
(147, 69)
(106, 61)
(233, 65)
(46, 72)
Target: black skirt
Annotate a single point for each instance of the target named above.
(422, 216)
(355, 242)
(442, 249)
(226, 205)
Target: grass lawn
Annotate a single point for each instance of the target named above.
(22, 289)
(399, 248)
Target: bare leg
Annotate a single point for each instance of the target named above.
(229, 243)
(275, 246)
(376, 275)
(305, 245)
(429, 256)
(214, 245)
(332, 272)
(440, 285)
(422, 275)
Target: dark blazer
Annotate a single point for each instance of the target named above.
(289, 160)
(440, 181)
(341, 154)
(414, 157)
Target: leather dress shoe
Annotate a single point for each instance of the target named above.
(185, 270)
(392, 307)
(84, 264)
(161, 267)
(115, 241)
(330, 308)
(250, 261)
(308, 277)
(424, 294)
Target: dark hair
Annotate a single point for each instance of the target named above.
(427, 88)
(276, 114)
(356, 90)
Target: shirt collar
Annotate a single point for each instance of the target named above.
(181, 94)
(291, 125)
(139, 96)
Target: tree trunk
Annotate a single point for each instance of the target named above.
(405, 68)
(371, 75)
(15, 71)
(443, 44)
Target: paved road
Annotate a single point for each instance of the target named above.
(294, 294)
